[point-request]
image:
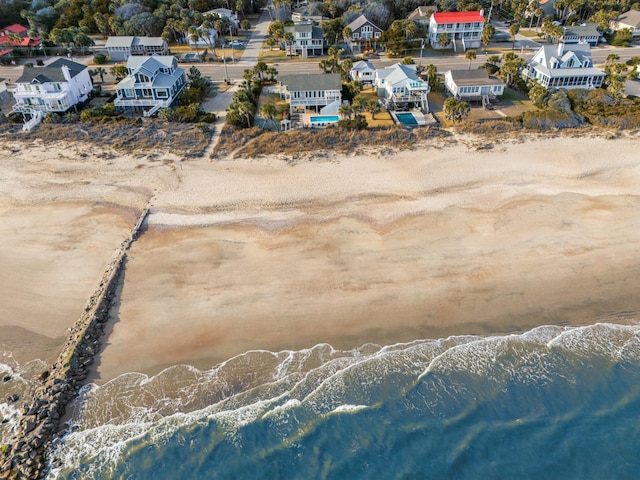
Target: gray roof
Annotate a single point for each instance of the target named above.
(586, 30)
(116, 42)
(632, 17)
(311, 81)
(359, 22)
(128, 41)
(50, 73)
(150, 62)
(465, 78)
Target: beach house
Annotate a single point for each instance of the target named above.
(122, 47)
(564, 66)
(473, 85)
(400, 87)
(422, 14)
(463, 29)
(57, 87)
(363, 72)
(152, 83)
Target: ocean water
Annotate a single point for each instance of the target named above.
(551, 403)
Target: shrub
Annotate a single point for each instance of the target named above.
(99, 59)
(28, 65)
(39, 62)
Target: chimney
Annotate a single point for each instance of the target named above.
(66, 73)
(560, 49)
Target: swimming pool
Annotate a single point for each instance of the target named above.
(325, 119)
(406, 118)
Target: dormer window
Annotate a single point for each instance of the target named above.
(142, 78)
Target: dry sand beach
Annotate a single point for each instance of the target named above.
(249, 254)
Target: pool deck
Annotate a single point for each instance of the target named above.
(417, 115)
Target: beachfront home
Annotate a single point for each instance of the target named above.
(473, 85)
(56, 87)
(308, 39)
(363, 72)
(364, 35)
(321, 92)
(401, 87)
(121, 48)
(585, 33)
(630, 20)
(464, 30)
(564, 66)
(152, 83)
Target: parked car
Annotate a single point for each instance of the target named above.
(236, 43)
(500, 36)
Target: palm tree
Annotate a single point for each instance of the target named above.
(100, 71)
(119, 72)
(288, 39)
(612, 57)
(470, 55)
(245, 109)
(487, 34)
(513, 30)
(346, 111)
(372, 107)
(444, 39)
(268, 110)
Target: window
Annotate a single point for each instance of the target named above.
(356, 36)
(162, 94)
(129, 93)
(377, 35)
(147, 93)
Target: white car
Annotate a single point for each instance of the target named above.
(236, 43)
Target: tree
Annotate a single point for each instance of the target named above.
(444, 39)
(408, 61)
(538, 94)
(513, 30)
(612, 58)
(372, 107)
(511, 67)
(288, 40)
(100, 71)
(471, 56)
(623, 38)
(268, 110)
(455, 110)
(487, 34)
(432, 77)
(119, 72)
(346, 111)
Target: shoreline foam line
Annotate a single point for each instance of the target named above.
(25, 457)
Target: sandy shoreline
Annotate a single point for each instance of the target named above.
(262, 254)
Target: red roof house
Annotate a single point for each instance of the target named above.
(464, 29)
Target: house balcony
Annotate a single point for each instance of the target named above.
(142, 102)
(314, 102)
(44, 96)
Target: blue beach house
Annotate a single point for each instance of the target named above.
(152, 83)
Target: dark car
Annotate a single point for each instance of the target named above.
(501, 37)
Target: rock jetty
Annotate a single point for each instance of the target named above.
(25, 457)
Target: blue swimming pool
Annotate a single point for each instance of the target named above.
(406, 118)
(325, 119)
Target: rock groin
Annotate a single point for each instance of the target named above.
(25, 457)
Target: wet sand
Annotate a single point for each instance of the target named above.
(262, 254)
